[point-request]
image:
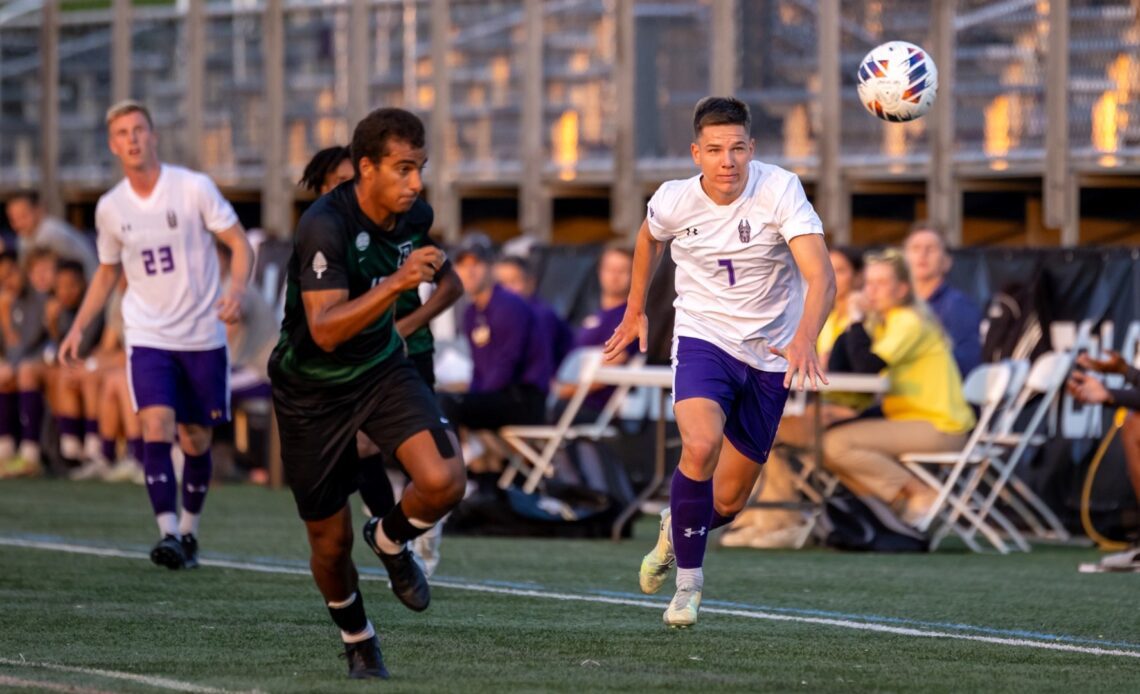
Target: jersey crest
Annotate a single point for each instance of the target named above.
(171, 219)
(745, 231)
(320, 264)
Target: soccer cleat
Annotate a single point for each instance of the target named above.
(19, 467)
(405, 575)
(682, 610)
(190, 550)
(656, 565)
(426, 547)
(169, 553)
(365, 660)
(95, 468)
(126, 470)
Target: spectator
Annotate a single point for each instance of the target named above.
(615, 272)
(515, 274)
(74, 396)
(327, 169)
(924, 409)
(107, 374)
(1088, 390)
(929, 261)
(511, 376)
(775, 528)
(22, 376)
(36, 229)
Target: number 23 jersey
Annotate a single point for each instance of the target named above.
(737, 283)
(165, 243)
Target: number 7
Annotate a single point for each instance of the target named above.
(731, 271)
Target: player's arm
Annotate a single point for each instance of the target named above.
(448, 289)
(334, 319)
(102, 283)
(241, 267)
(810, 254)
(634, 325)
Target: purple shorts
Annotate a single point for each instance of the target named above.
(196, 385)
(752, 400)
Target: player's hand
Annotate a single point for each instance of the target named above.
(229, 306)
(802, 362)
(633, 326)
(68, 354)
(1112, 363)
(421, 266)
(857, 306)
(1087, 390)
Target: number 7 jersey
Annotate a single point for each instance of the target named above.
(738, 285)
(166, 245)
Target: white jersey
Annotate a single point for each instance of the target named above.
(165, 243)
(738, 285)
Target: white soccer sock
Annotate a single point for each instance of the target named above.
(368, 633)
(422, 525)
(694, 578)
(386, 544)
(167, 524)
(188, 523)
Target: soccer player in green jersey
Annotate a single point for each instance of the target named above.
(340, 366)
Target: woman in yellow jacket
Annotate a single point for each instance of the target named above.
(924, 410)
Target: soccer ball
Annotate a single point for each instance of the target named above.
(898, 81)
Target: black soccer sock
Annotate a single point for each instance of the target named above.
(375, 487)
(349, 617)
(397, 528)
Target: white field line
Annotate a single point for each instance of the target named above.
(148, 680)
(626, 602)
(20, 683)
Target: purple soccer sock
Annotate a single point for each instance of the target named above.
(135, 449)
(31, 415)
(91, 426)
(720, 520)
(108, 446)
(9, 420)
(161, 484)
(691, 505)
(70, 426)
(196, 481)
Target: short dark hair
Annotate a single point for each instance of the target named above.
(929, 226)
(721, 110)
(518, 261)
(71, 266)
(32, 197)
(854, 258)
(321, 165)
(9, 256)
(371, 136)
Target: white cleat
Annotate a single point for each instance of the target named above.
(426, 548)
(682, 610)
(656, 565)
(93, 469)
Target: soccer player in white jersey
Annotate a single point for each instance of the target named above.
(746, 241)
(159, 225)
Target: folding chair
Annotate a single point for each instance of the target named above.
(535, 446)
(1044, 381)
(985, 387)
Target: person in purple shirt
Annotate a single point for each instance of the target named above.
(516, 274)
(511, 375)
(615, 270)
(929, 261)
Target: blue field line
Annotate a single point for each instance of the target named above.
(529, 585)
(882, 619)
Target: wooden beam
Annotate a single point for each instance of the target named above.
(534, 195)
(944, 199)
(274, 204)
(1061, 188)
(121, 16)
(441, 188)
(627, 208)
(195, 104)
(49, 109)
(834, 199)
(724, 66)
(358, 63)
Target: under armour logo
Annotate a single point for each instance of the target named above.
(200, 489)
(689, 532)
(159, 478)
(444, 420)
(691, 231)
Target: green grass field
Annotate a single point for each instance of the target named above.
(529, 615)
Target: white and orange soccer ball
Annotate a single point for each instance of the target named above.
(898, 81)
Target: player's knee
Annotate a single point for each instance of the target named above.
(444, 483)
(330, 542)
(703, 448)
(27, 377)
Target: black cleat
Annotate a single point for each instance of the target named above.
(168, 552)
(190, 550)
(364, 660)
(404, 573)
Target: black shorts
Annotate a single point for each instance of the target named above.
(318, 430)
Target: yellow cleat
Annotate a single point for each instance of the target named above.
(656, 565)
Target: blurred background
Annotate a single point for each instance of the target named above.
(557, 118)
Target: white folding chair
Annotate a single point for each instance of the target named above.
(985, 387)
(1043, 382)
(536, 445)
